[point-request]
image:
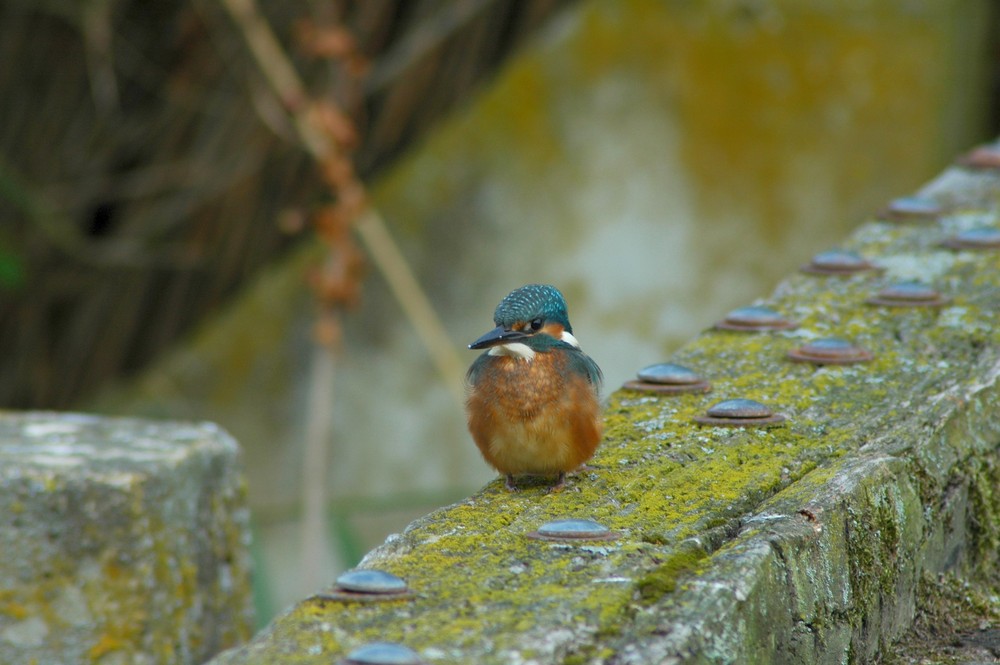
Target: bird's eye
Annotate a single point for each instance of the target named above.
(536, 325)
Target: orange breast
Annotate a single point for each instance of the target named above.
(532, 417)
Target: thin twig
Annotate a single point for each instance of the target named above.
(411, 298)
(284, 80)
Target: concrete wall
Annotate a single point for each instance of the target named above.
(803, 542)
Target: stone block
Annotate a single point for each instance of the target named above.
(122, 541)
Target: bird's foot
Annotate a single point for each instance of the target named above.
(560, 483)
(509, 483)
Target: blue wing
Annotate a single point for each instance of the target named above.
(472, 376)
(586, 365)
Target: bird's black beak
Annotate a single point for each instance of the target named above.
(498, 335)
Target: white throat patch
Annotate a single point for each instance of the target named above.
(515, 349)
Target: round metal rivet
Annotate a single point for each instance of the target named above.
(382, 653)
(739, 413)
(371, 581)
(909, 291)
(913, 207)
(982, 157)
(668, 373)
(669, 378)
(754, 315)
(573, 529)
(739, 408)
(838, 262)
(754, 318)
(978, 238)
(830, 351)
(366, 585)
(908, 294)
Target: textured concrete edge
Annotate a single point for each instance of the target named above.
(827, 571)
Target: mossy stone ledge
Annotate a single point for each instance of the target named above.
(123, 541)
(797, 543)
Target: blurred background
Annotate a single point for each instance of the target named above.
(291, 219)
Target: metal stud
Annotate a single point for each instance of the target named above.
(982, 157)
(669, 378)
(740, 413)
(573, 530)
(838, 262)
(908, 294)
(367, 585)
(755, 318)
(912, 208)
(984, 237)
(830, 351)
(371, 581)
(382, 653)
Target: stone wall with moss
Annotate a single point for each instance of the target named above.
(122, 541)
(802, 542)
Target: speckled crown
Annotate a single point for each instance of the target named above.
(531, 302)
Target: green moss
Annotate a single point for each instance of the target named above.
(664, 578)
(873, 548)
(588, 654)
(984, 513)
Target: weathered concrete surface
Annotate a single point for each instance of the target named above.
(122, 541)
(802, 543)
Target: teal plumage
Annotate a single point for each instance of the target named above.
(531, 301)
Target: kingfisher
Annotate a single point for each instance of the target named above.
(533, 404)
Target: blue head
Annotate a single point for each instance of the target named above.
(535, 309)
(534, 304)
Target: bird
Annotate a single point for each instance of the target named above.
(533, 401)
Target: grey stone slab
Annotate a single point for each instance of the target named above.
(122, 540)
